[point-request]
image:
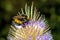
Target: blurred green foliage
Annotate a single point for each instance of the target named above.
(49, 8)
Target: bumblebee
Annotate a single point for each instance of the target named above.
(20, 20)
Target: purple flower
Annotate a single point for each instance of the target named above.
(35, 29)
(42, 25)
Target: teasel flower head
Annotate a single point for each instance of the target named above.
(29, 25)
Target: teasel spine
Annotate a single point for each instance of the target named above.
(24, 33)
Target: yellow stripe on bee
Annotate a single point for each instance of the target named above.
(18, 21)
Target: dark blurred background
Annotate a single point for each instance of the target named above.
(49, 8)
